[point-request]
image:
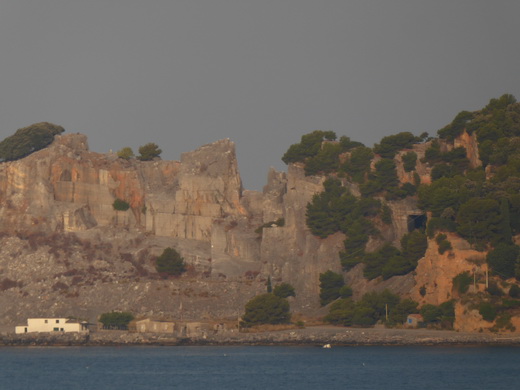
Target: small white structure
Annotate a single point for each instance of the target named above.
(39, 325)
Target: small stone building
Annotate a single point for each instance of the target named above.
(195, 329)
(148, 325)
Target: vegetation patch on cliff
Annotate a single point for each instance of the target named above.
(28, 140)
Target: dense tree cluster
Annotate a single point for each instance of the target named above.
(149, 151)
(443, 243)
(170, 262)
(488, 311)
(331, 284)
(409, 161)
(266, 308)
(336, 209)
(476, 209)
(126, 153)
(116, 320)
(495, 123)
(390, 145)
(480, 204)
(390, 261)
(28, 140)
(370, 309)
(382, 178)
(441, 316)
(445, 164)
(457, 126)
(504, 260)
(309, 146)
(120, 205)
(320, 152)
(357, 164)
(483, 209)
(284, 290)
(325, 161)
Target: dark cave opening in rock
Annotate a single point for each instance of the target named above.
(416, 222)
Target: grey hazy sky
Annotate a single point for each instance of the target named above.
(184, 73)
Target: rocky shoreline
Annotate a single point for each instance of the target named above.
(315, 336)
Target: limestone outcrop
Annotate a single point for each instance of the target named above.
(196, 205)
(435, 272)
(65, 250)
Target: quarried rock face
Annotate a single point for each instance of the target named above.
(67, 188)
(273, 196)
(290, 251)
(67, 251)
(207, 187)
(195, 205)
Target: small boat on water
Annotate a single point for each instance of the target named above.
(327, 346)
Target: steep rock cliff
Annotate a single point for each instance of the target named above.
(193, 205)
(65, 250)
(290, 251)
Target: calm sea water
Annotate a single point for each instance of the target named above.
(259, 368)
